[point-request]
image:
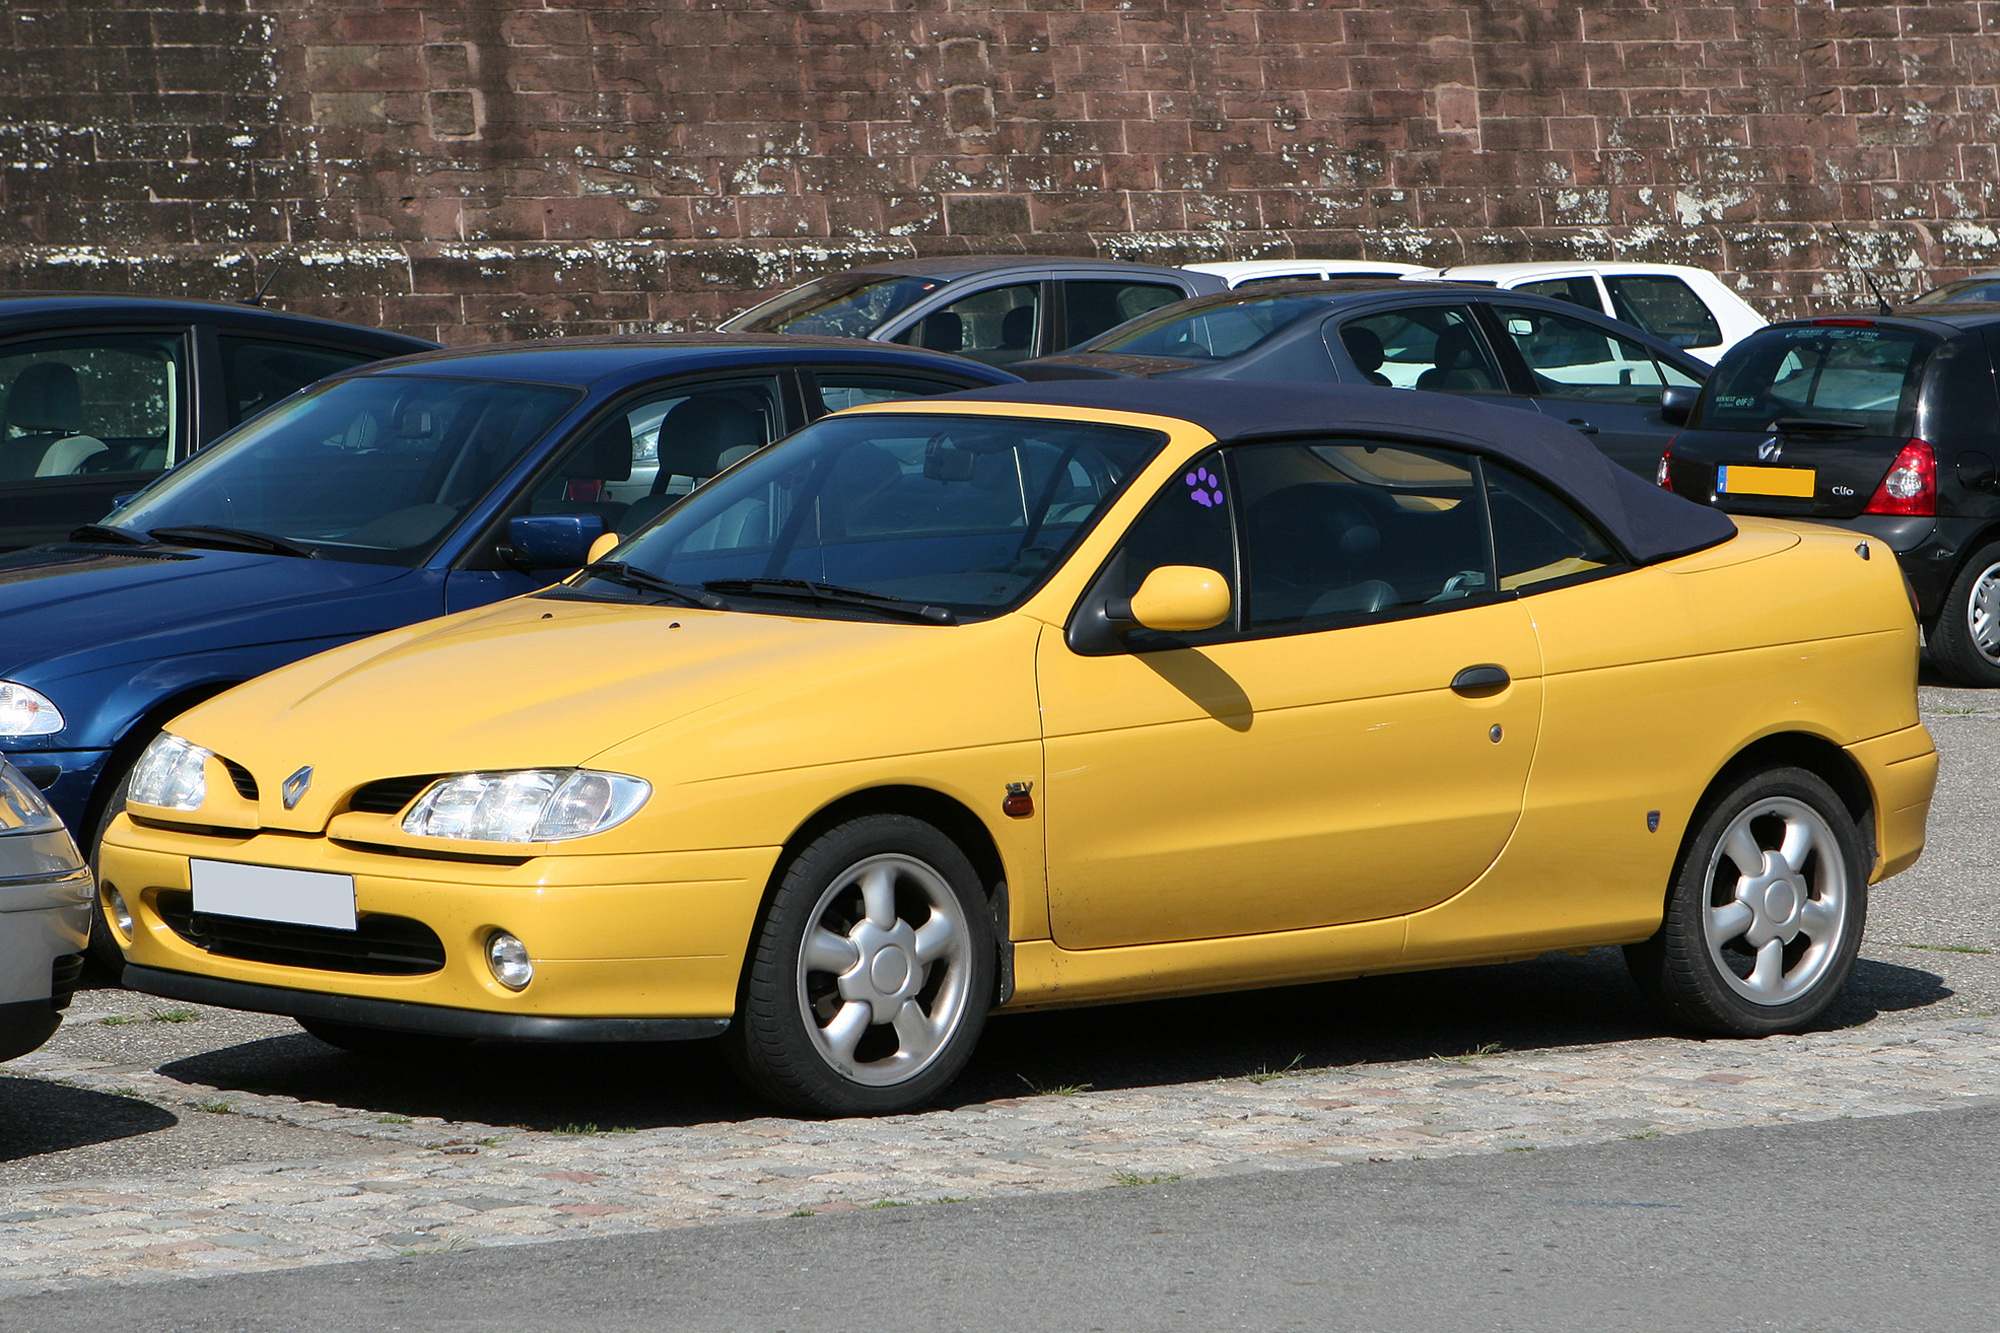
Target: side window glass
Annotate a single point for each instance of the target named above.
(1665, 307)
(1577, 291)
(1573, 359)
(257, 373)
(1190, 522)
(80, 406)
(1434, 347)
(635, 464)
(1091, 308)
(1346, 530)
(1538, 540)
(999, 326)
(838, 390)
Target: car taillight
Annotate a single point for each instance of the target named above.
(1911, 486)
(1665, 476)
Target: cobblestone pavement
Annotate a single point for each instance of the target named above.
(342, 1176)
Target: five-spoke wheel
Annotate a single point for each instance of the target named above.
(1965, 641)
(872, 973)
(1764, 918)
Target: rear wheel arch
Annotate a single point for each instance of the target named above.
(1793, 749)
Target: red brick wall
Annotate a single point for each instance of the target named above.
(499, 168)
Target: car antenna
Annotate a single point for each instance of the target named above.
(277, 267)
(1882, 306)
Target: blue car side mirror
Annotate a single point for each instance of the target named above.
(554, 541)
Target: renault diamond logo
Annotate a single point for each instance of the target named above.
(1769, 449)
(295, 786)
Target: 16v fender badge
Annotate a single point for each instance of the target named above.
(294, 787)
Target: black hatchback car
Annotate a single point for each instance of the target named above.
(1514, 349)
(100, 394)
(1887, 424)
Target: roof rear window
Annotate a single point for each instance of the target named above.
(1865, 377)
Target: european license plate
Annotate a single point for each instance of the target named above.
(1796, 482)
(266, 893)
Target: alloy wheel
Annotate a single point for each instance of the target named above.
(883, 974)
(1777, 901)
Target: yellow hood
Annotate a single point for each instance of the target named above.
(538, 682)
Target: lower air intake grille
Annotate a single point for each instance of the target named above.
(388, 796)
(383, 946)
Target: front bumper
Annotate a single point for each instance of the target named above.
(400, 1016)
(44, 921)
(614, 937)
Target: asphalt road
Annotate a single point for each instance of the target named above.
(1882, 1224)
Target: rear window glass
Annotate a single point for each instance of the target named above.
(1866, 377)
(1665, 307)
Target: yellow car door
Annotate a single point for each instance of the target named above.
(1308, 762)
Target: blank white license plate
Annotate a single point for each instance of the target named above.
(266, 893)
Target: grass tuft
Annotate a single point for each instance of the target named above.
(175, 1016)
(1129, 1178)
(216, 1108)
(1053, 1090)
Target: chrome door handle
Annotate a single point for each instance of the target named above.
(1582, 427)
(1476, 681)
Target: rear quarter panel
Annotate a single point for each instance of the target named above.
(1654, 680)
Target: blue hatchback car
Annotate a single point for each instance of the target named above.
(408, 489)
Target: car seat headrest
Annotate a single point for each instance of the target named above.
(46, 398)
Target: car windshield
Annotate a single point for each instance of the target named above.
(1985, 288)
(377, 468)
(1865, 376)
(1208, 333)
(963, 513)
(851, 305)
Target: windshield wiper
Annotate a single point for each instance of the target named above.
(231, 539)
(103, 532)
(617, 571)
(1816, 425)
(832, 594)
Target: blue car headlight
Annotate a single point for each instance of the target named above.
(526, 805)
(26, 712)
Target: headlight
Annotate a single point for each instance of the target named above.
(531, 805)
(26, 712)
(172, 774)
(22, 809)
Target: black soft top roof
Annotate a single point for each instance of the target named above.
(1648, 523)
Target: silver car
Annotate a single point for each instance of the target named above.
(45, 898)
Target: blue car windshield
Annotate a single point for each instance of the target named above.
(964, 513)
(1208, 333)
(378, 468)
(851, 305)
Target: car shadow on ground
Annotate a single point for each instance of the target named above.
(37, 1118)
(1554, 1001)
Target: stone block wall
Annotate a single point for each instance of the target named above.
(479, 169)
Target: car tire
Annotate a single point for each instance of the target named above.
(103, 948)
(1965, 642)
(362, 1040)
(1748, 950)
(871, 973)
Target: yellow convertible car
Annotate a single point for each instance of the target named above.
(1059, 694)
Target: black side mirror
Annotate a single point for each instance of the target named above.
(1677, 404)
(553, 541)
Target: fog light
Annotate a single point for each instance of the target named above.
(508, 958)
(121, 915)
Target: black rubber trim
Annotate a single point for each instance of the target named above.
(401, 1016)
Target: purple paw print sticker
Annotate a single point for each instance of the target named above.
(1204, 488)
